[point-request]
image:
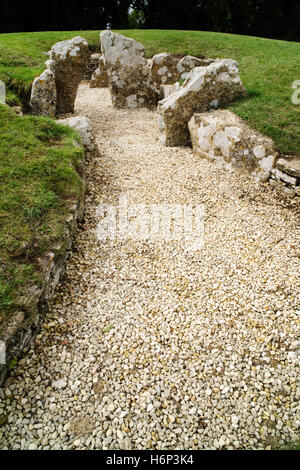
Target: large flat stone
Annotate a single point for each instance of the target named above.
(43, 94)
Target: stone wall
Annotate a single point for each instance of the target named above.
(285, 177)
(24, 323)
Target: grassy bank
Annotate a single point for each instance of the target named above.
(267, 67)
(39, 178)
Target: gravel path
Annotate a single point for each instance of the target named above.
(148, 345)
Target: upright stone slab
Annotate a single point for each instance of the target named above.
(128, 71)
(163, 69)
(166, 90)
(71, 59)
(222, 136)
(43, 94)
(100, 78)
(204, 88)
(93, 64)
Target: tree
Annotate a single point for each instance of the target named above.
(266, 18)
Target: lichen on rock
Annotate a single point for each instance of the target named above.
(163, 69)
(223, 137)
(71, 58)
(188, 63)
(129, 79)
(43, 94)
(99, 78)
(218, 83)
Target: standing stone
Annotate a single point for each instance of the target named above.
(163, 68)
(128, 71)
(71, 58)
(100, 78)
(223, 137)
(204, 88)
(43, 94)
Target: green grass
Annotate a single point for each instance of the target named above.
(267, 68)
(38, 161)
(39, 176)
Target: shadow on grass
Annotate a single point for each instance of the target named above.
(253, 93)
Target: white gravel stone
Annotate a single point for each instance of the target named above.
(197, 353)
(59, 384)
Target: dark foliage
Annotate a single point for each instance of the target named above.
(277, 19)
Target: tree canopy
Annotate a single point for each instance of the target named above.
(279, 19)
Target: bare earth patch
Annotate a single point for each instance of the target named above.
(161, 347)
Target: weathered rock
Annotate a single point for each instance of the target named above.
(129, 72)
(82, 125)
(188, 63)
(71, 58)
(224, 137)
(163, 68)
(166, 90)
(205, 87)
(100, 78)
(93, 64)
(17, 110)
(290, 166)
(43, 94)
(94, 83)
(285, 177)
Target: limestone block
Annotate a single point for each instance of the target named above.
(188, 63)
(71, 59)
(163, 69)
(128, 72)
(100, 78)
(223, 137)
(204, 88)
(43, 94)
